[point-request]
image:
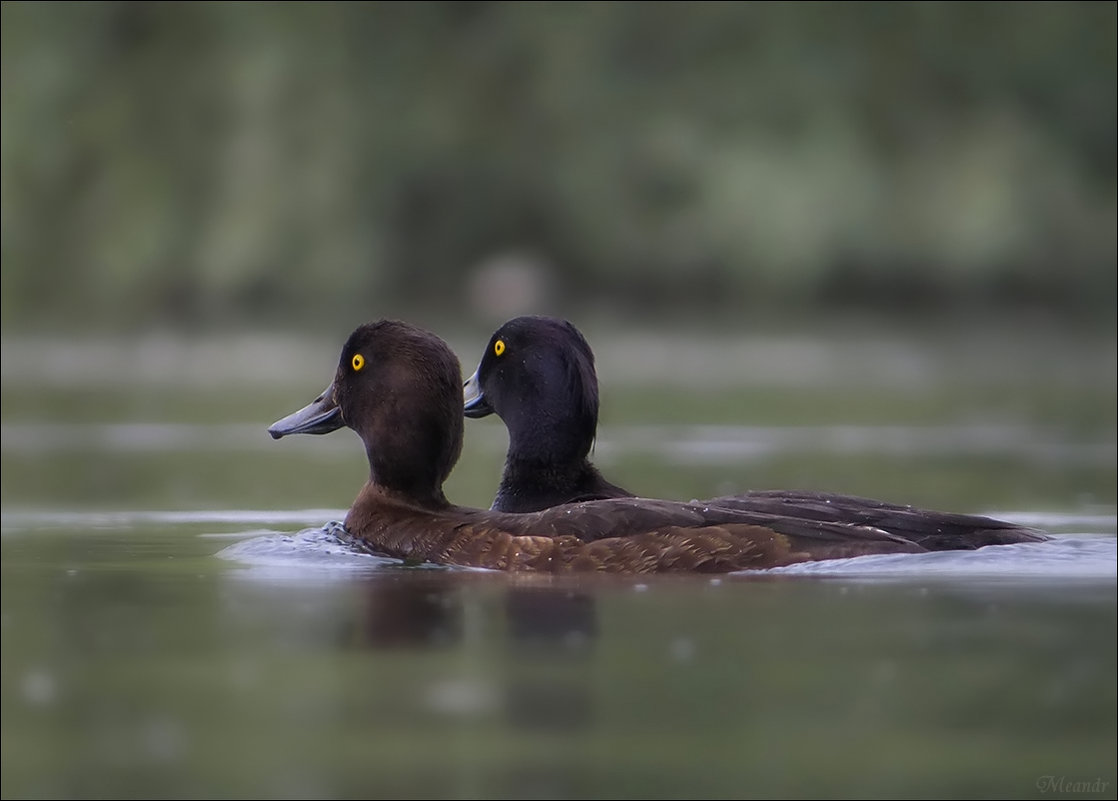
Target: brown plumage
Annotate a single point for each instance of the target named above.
(400, 389)
(542, 383)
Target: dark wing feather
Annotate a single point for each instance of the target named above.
(702, 550)
(933, 530)
(617, 536)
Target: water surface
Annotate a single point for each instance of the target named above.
(176, 622)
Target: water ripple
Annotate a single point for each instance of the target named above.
(1064, 558)
(1067, 558)
(32, 519)
(687, 445)
(321, 547)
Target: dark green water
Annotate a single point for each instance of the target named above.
(138, 662)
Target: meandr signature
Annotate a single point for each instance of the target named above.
(1063, 784)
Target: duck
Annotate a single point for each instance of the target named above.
(400, 389)
(538, 376)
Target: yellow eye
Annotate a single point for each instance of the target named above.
(358, 361)
(498, 347)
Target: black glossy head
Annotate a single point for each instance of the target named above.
(537, 375)
(400, 388)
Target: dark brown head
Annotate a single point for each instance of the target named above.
(537, 375)
(400, 388)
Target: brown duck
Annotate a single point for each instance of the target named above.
(538, 376)
(400, 389)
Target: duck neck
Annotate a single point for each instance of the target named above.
(375, 493)
(408, 490)
(410, 463)
(528, 485)
(561, 440)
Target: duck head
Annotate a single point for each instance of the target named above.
(537, 375)
(400, 388)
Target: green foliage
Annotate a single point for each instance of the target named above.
(212, 163)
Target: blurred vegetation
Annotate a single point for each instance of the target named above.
(197, 164)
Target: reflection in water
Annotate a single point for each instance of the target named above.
(552, 621)
(428, 608)
(544, 625)
(542, 685)
(402, 611)
(132, 670)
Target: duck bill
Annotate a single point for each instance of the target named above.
(475, 404)
(320, 416)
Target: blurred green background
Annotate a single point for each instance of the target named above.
(191, 165)
(865, 248)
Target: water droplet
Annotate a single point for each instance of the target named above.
(38, 687)
(683, 649)
(164, 739)
(461, 697)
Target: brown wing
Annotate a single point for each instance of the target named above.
(625, 535)
(624, 517)
(936, 531)
(711, 549)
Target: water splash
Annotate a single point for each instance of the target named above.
(1085, 547)
(324, 547)
(1064, 558)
